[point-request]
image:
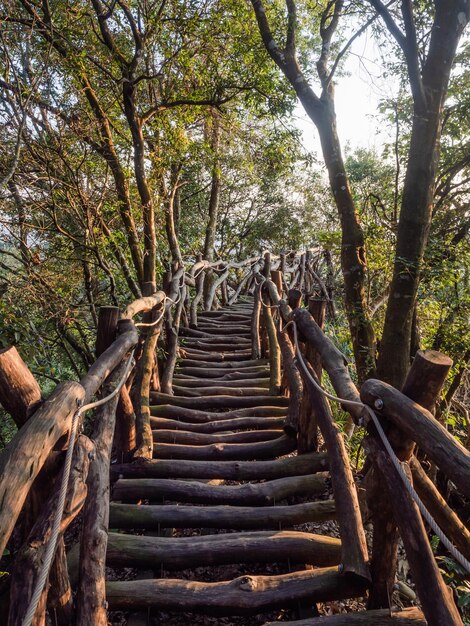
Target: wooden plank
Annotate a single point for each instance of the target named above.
(227, 451)
(246, 595)
(255, 423)
(228, 470)
(154, 517)
(262, 494)
(201, 551)
(196, 416)
(215, 402)
(202, 439)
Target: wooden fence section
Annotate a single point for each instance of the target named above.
(245, 372)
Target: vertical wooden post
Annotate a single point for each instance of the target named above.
(354, 554)
(294, 384)
(140, 394)
(308, 423)
(330, 284)
(423, 384)
(199, 293)
(91, 596)
(294, 298)
(20, 394)
(276, 277)
(317, 309)
(255, 325)
(274, 352)
(436, 599)
(267, 265)
(124, 436)
(223, 293)
(282, 263)
(302, 272)
(308, 276)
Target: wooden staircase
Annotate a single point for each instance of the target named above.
(220, 462)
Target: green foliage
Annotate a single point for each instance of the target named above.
(457, 578)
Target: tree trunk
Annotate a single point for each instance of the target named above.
(429, 91)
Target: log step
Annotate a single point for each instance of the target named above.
(201, 439)
(250, 494)
(200, 551)
(154, 517)
(227, 365)
(227, 470)
(222, 373)
(215, 402)
(255, 423)
(227, 451)
(246, 595)
(214, 357)
(226, 383)
(196, 416)
(202, 392)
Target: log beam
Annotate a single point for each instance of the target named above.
(227, 470)
(261, 494)
(249, 547)
(154, 517)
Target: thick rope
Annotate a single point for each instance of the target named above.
(55, 531)
(458, 556)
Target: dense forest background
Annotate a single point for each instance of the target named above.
(137, 135)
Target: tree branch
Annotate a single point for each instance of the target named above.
(408, 44)
(272, 47)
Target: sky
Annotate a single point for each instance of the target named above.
(357, 99)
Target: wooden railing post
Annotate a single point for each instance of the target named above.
(124, 435)
(141, 388)
(294, 298)
(308, 423)
(393, 508)
(354, 556)
(255, 324)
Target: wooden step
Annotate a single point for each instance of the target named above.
(201, 551)
(191, 346)
(249, 494)
(202, 392)
(227, 365)
(214, 357)
(154, 517)
(246, 595)
(214, 402)
(254, 423)
(196, 416)
(223, 374)
(228, 470)
(217, 333)
(219, 327)
(214, 382)
(227, 451)
(202, 439)
(213, 340)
